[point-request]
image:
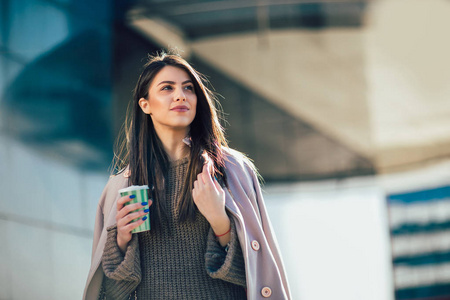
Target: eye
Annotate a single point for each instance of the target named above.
(189, 87)
(166, 88)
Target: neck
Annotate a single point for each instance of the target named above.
(172, 141)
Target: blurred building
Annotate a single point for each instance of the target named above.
(343, 105)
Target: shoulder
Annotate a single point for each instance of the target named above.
(239, 164)
(114, 184)
(243, 178)
(118, 180)
(236, 160)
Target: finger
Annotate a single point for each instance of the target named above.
(196, 184)
(194, 195)
(217, 185)
(134, 207)
(207, 176)
(133, 216)
(124, 209)
(130, 208)
(133, 225)
(209, 168)
(123, 213)
(200, 176)
(195, 190)
(125, 199)
(206, 168)
(124, 220)
(122, 200)
(205, 157)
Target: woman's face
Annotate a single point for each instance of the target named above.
(172, 101)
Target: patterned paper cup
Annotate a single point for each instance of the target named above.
(141, 196)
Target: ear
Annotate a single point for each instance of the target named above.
(145, 106)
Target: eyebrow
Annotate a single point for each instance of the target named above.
(172, 82)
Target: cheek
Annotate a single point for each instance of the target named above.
(155, 105)
(194, 105)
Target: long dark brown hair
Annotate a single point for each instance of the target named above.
(139, 147)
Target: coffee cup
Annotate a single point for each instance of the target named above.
(141, 195)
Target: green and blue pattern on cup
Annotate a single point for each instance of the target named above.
(141, 193)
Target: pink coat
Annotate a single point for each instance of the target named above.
(265, 274)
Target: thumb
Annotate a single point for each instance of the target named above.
(217, 185)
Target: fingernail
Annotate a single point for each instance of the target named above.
(144, 203)
(144, 218)
(146, 210)
(215, 178)
(132, 196)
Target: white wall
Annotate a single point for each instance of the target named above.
(334, 235)
(334, 238)
(46, 222)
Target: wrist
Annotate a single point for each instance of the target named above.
(222, 230)
(122, 246)
(221, 226)
(223, 234)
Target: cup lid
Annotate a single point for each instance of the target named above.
(134, 188)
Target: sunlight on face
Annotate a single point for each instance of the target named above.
(172, 100)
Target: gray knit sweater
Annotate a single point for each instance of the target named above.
(181, 261)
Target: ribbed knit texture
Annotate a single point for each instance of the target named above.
(180, 261)
(122, 272)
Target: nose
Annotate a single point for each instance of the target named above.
(180, 95)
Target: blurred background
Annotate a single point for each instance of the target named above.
(343, 105)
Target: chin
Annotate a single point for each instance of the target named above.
(185, 126)
(182, 124)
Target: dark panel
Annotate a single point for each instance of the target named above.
(421, 196)
(423, 259)
(131, 52)
(409, 228)
(433, 292)
(60, 102)
(426, 256)
(200, 19)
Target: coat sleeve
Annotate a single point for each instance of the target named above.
(99, 221)
(104, 209)
(92, 288)
(267, 226)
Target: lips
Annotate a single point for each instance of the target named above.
(180, 108)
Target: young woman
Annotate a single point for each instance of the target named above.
(211, 237)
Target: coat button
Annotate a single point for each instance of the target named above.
(255, 245)
(266, 292)
(127, 173)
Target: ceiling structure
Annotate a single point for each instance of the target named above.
(311, 89)
(206, 18)
(353, 70)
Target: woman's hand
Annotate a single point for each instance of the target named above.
(210, 200)
(125, 215)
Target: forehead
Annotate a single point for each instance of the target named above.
(171, 73)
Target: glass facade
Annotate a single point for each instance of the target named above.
(420, 235)
(55, 136)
